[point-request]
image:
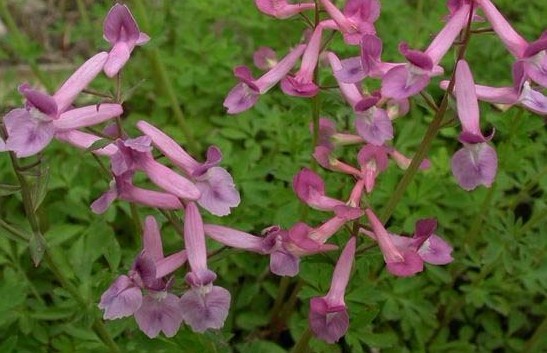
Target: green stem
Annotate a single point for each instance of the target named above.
(18, 235)
(302, 345)
(163, 82)
(430, 134)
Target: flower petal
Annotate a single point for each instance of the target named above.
(159, 312)
(475, 165)
(205, 308)
(27, 135)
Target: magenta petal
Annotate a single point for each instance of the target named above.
(411, 264)
(169, 180)
(298, 88)
(41, 101)
(328, 324)
(436, 251)
(351, 71)
(371, 49)
(281, 8)
(240, 98)
(118, 56)
(218, 191)
(466, 99)
(283, 263)
(121, 299)
(475, 165)
(214, 157)
(416, 57)
(159, 311)
(400, 82)
(362, 10)
(234, 238)
(374, 126)
(27, 135)
(205, 307)
(119, 25)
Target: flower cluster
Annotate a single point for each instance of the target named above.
(374, 114)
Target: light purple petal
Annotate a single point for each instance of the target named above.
(159, 312)
(214, 157)
(87, 116)
(152, 244)
(194, 238)
(351, 71)
(169, 180)
(79, 80)
(374, 126)
(328, 323)
(234, 238)
(100, 205)
(218, 191)
(121, 299)
(466, 99)
(272, 77)
(404, 81)
(436, 251)
(117, 57)
(205, 307)
(533, 100)
(27, 134)
(474, 165)
(240, 99)
(446, 37)
(371, 50)
(283, 263)
(84, 140)
(169, 147)
(536, 67)
(120, 26)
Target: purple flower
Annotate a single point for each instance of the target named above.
(157, 310)
(30, 129)
(281, 8)
(356, 20)
(407, 80)
(325, 159)
(373, 160)
(122, 32)
(430, 247)
(85, 140)
(310, 189)
(122, 188)
(245, 94)
(372, 123)
(204, 306)
(521, 93)
(301, 84)
(368, 64)
(215, 184)
(328, 315)
(533, 55)
(476, 163)
(400, 262)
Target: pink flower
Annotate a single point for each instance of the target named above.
(328, 315)
(356, 20)
(157, 310)
(216, 186)
(246, 93)
(30, 129)
(203, 306)
(122, 32)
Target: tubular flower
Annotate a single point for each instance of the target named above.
(407, 80)
(30, 129)
(328, 315)
(356, 20)
(204, 306)
(476, 163)
(245, 94)
(157, 310)
(215, 184)
(310, 189)
(121, 30)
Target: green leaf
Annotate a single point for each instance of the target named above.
(97, 145)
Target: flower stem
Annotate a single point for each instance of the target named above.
(430, 134)
(302, 345)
